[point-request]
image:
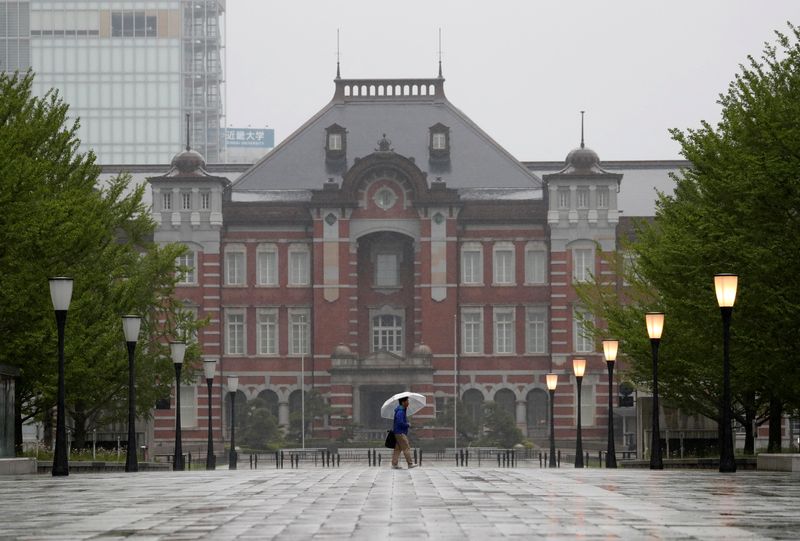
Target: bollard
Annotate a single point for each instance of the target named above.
(455, 452)
(277, 460)
(545, 458)
(281, 459)
(600, 458)
(466, 458)
(338, 462)
(586, 463)
(559, 458)
(540, 459)
(498, 460)
(420, 457)
(251, 461)
(379, 459)
(255, 461)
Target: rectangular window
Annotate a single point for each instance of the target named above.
(563, 198)
(439, 141)
(334, 141)
(504, 330)
(471, 265)
(536, 330)
(267, 332)
(535, 266)
(588, 404)
(234, 268)
(186, 201)
(472, 331)
(167, 201)
(581, 336)
(205, 200)
(387, 333)
(504, 265)
(582, 196)
(267, 263)
(582, 264)
(298, 267)
(299, 332)
(386, 270)
(188, 406)
(602, 197)
(186, 275)
(234, 333)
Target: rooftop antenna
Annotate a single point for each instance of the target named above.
(187, 131)
(338, 76)
(582, 112)
(440, 52)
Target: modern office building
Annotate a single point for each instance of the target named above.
(130, 70)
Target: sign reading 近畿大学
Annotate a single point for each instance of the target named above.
(250, 137)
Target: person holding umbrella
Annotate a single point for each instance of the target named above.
(401, 435)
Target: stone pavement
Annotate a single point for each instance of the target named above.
(432, 502)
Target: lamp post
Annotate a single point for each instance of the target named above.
(177, 351)
(209, 367)
(610, 348)
(725, 286)
(61, 294)
(552, 381)
(655, 325)
(233, 386)
(579, 367)
(131, 325)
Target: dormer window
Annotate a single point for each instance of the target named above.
(335, 143)
(439, 142)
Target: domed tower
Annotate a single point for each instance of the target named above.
(582, 217)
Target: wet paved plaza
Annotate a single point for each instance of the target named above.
(425, 503)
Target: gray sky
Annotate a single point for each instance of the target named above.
(521, 69)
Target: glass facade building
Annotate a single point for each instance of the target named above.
(130, 70)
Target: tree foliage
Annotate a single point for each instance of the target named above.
(56, 218)
(735, 209)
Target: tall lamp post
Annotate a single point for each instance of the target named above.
(209, 367)
(233, 386)
(655, 325)
(610, 348)
(552, 381)
(131, 325)
(61, 294)
(177, 351)
(725, 286)
(579, 367)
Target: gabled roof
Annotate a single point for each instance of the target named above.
(404, 110)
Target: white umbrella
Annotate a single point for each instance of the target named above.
(416, 402)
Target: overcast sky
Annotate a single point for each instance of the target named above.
(522, 70)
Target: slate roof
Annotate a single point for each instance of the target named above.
(476, 160)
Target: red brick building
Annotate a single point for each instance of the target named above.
(390, 244)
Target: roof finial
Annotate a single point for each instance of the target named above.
(582, 112)
(187, 132)
(338, 76)
(440, 52)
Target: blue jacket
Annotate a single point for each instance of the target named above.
(400, 421)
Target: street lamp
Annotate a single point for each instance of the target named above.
(177, 351)
(725, 285)
(233, 386)
(655, 325)
(131, 325)
(610, 348)
(61, 294)
(552, 381)
(209, 367)
(579, 367)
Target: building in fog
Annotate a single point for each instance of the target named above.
(389, 243)
(131, 70)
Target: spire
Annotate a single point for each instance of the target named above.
(187, 132)
(338, 75)
(440, 53)
(582, 112)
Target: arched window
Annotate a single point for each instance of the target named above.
(506, 401)
(536, 409)
(270, 401)
(387, 334)
(295, 402)
(473, 404)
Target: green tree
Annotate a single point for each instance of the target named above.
(501, 429)
(468, 428)
(316, 408)
(56, 218)
(734, 210)
(256, 427)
